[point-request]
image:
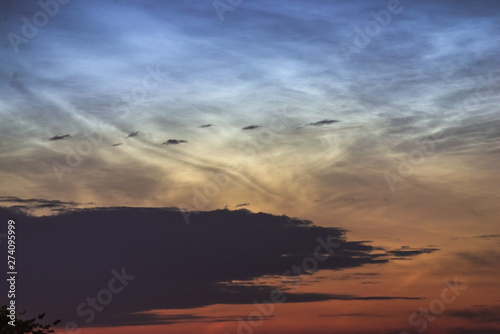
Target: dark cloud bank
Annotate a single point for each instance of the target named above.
(64, 259)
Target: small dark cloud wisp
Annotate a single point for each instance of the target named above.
(405, 251)
(324, 122)
(133, 134)
(251, 127)
(206, 125)
(488, 236)
(174, 142)
(60, 137)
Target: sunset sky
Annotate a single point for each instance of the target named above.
(376, 123)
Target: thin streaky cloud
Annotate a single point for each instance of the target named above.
(61, 137)
(324, 122)
(251, 127)
(174, 142)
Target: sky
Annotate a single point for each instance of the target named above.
(374, 122)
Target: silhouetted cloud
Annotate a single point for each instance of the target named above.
(482, 236)
(155, 318)
(34, 200)
(48, 205)
(133, 134)
(357, 276)
(347, 315)
(251, 127)
(199, 260)
(488, 236)
(412, 252)
(480, 314)
(60, 137)
(117, 144)
(174, 142)
(324, 122)
(242, 204)
(482, 330)
(206, 125)
(32, 204)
